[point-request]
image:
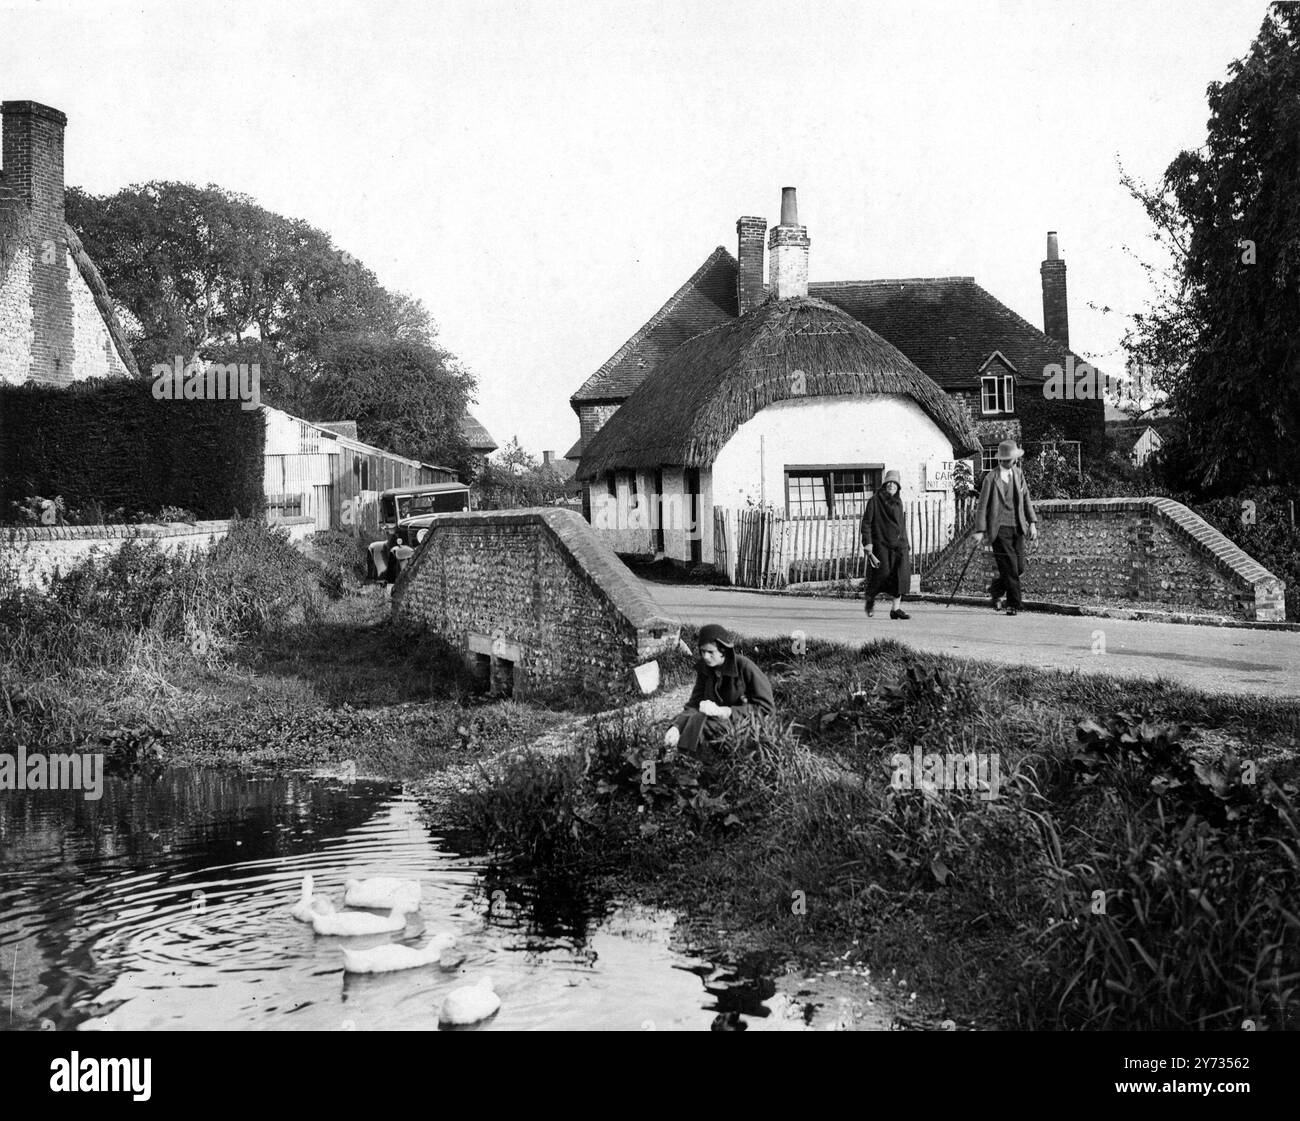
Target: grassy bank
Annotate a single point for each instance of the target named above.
(250, 654)
(1131, 872)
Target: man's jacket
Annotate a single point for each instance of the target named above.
(987, 507)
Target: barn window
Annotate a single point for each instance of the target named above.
(997, 393)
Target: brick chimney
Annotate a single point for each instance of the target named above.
(31, 190)
(33, 163)
(548, 459)
(788, 244)
(1056, 317)
(749, 277)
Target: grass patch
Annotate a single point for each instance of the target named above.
(1137, 870)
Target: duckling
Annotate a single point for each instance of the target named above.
(469, 1005)
(391, 958)
(383, 893)
(309, 904)
(350, 924)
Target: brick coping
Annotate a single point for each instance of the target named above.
(1210, 540)
(1190, 526)
(583, 546)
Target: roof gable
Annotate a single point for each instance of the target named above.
(706, 300)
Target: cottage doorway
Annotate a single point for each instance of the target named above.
(694, 515)
(657, 512)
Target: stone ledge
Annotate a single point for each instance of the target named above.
(15, 534)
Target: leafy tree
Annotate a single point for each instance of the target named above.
(405, 395)
(206, 271)
(514, 478)
(1224, 333)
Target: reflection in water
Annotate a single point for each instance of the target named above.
(165, 905)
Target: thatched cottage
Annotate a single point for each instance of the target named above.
(57, 323)
(800, 396)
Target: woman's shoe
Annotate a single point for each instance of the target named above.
(871, 607)
(899, 613)
(1012, 611)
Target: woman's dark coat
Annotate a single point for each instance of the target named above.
(738, 684)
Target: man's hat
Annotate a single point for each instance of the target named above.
(1008, 450)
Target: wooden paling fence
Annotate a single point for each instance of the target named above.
(761, 548)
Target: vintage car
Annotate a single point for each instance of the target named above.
(405, 514)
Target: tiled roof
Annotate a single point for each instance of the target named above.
(948, 326)
(706, 300)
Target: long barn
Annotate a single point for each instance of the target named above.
(322, 471)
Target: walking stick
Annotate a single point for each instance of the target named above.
(963, 575)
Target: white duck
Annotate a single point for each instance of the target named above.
(351, 924)
(469, 1005)
(391, 958)
(383, 893)
(309, 904)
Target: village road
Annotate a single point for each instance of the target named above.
(1215, 659)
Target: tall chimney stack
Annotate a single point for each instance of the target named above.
(31, 145)
(1056, 317)
(33, 163)
(788, 244)
(749, 277)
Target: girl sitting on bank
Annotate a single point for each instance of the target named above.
(729, 689)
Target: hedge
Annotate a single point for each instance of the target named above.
(110, 441)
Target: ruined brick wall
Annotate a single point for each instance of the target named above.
(536, 588)
(1126, 550)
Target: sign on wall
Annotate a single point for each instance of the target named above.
(938, 474)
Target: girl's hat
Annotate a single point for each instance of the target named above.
(892, 476)
(716, 634)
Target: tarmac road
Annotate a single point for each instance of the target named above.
(1214, 659)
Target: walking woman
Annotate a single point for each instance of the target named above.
(729, 689)
(1005, 514)
(884, 536)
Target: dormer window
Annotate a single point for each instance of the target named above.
(997, 393)
(997, 385)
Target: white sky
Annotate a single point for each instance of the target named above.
(545, 175)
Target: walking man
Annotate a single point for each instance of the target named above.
(889, 555)
(1004, 514)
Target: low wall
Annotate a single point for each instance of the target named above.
(32, 553)
(538, 590)
(1125, 550)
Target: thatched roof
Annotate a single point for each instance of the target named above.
(693, 401)
(476, 436)
(99, 290)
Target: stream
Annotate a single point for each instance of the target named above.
(164, 905)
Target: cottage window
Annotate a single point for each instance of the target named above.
(988, 457)
(611, 484)
(997, 393)
(824, 491)
(631, 490)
